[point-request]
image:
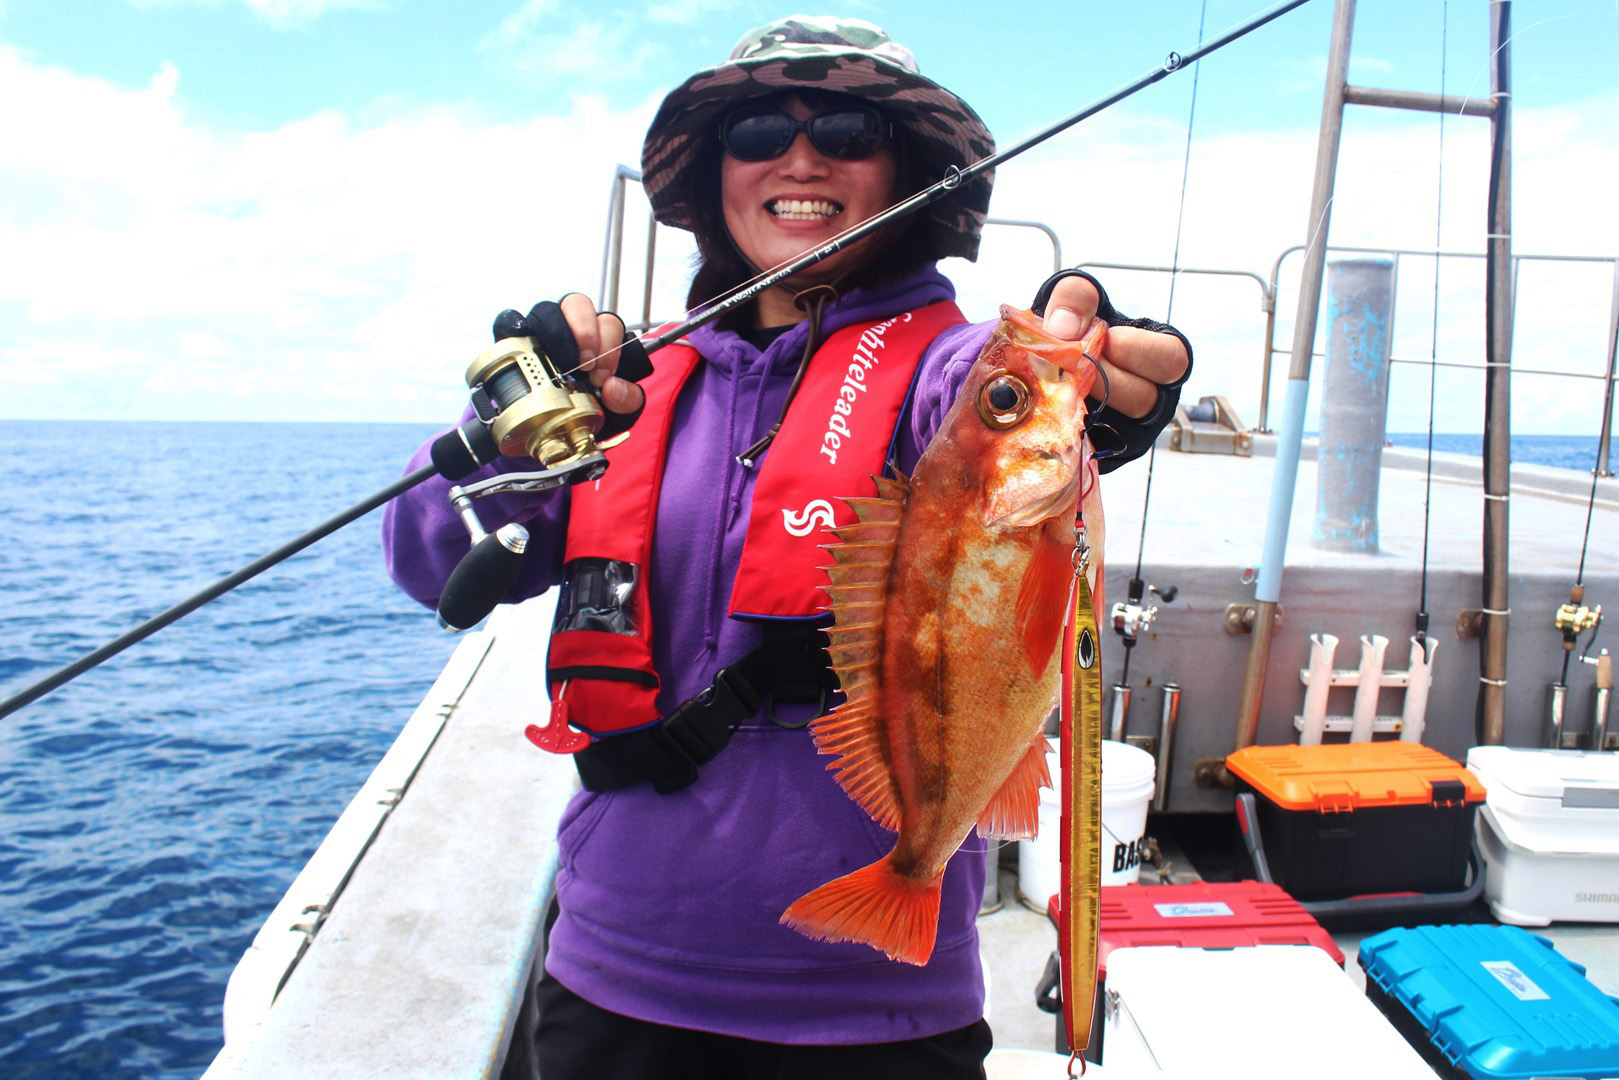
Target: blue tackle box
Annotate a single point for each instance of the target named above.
(1492, 1002)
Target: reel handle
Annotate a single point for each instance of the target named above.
(482, 577)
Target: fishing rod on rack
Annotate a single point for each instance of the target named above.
(527, 403)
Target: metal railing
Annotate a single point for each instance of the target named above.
(612, 270)
(1269, 289)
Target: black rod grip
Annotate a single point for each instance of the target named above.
(459, 452)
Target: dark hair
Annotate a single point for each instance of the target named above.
(900, 248)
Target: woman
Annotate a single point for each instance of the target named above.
(707, 809)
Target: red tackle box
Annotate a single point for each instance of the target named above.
(1353, 819)
(1202, 914)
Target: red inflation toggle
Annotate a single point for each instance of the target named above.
(556, 736)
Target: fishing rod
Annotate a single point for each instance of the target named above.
(528, 403)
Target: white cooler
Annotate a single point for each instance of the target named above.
(1256, 1012)
(1549, 834)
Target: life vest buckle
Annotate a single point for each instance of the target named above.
(701, 726)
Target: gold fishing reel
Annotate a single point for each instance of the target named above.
(1575, 618)
(531, 408)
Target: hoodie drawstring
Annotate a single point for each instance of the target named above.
(812, 301)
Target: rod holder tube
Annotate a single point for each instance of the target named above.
(1118, 712)
(1602, 701)
(1168, 716)
(1413, 718)
(1554, 715)
(1319, 682)
(1370, 681)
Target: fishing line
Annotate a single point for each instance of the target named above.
(1136, 584)
(1433, 355)
(1489, 61)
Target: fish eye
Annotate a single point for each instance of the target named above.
(1003, 401)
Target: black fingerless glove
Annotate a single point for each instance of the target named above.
(1119, 438)
(549, 329)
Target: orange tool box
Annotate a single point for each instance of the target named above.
(1350, 819)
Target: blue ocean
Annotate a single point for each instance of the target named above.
(155, 809)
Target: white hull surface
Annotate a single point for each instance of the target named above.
(427, 931)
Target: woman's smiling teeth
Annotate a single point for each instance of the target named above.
(803, 209)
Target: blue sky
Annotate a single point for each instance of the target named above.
(311, 209)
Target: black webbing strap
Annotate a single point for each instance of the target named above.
(791, 665)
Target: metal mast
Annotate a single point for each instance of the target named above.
(1497, 462)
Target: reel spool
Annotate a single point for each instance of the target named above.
(531, 408)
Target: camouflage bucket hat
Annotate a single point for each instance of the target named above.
(847, 56)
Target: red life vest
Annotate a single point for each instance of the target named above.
(838, 431)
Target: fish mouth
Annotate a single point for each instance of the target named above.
(1040, 501)
(803, 209)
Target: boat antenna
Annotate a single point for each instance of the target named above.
(459, 452)
(1433, 355)
(1137, 588)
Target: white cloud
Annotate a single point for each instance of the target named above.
(335, 260)
(1248, 201)
(344, 267)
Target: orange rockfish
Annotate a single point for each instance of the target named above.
(948, 600)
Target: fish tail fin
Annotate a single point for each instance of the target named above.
(875, 906)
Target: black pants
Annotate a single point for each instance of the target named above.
(576, 1040)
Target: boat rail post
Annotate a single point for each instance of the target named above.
(1290, 436)
(1500, 291)
(613, 245)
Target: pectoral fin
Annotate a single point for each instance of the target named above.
(1042, 599)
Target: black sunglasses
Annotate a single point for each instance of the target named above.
(845, 132)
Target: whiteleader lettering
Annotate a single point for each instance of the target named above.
(866, 356)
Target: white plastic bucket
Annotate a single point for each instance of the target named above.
(1127, 786)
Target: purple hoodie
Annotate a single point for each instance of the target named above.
(669, 903)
